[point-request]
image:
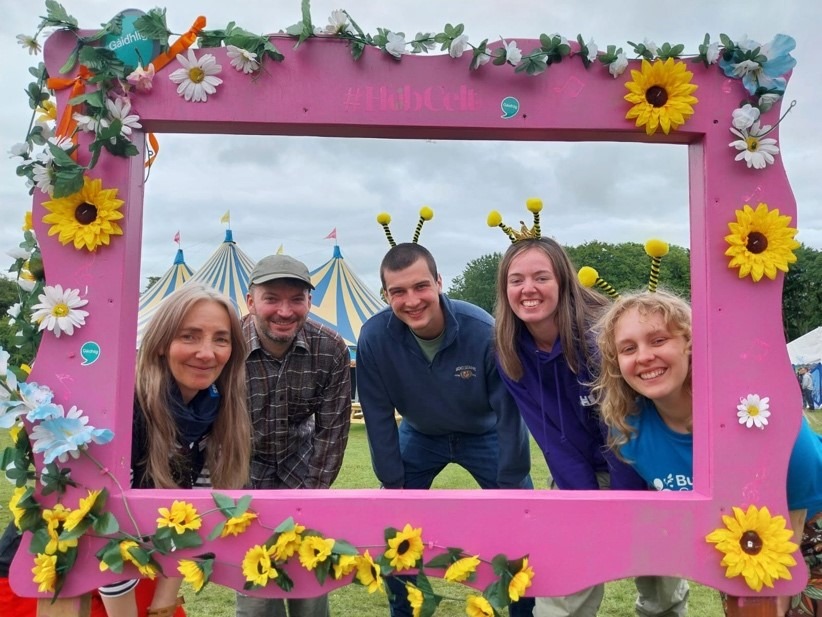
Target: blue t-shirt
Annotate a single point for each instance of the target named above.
(664, 459)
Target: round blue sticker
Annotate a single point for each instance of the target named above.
(90, 352)
(130, 46)
(509, 106)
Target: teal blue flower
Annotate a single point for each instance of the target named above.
(65, 434)
(765, 71)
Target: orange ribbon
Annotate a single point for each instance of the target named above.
(67, 123)
(154, 146)
(185, 41)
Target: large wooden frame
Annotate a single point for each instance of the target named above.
(574, 539)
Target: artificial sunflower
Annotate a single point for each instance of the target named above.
(478, 606)
(86, 217)
(82, 510)
(662, 95)
(193, 574)
(521, 581)
(237, 524)
(314, 550)
(761, 242)
(405, 548)
(288, 542)
(756, 545)
(45, 572)
(415, 599)
(55, 519)
(258, 568)
(181, 517)
(368, 574)
(16, 511)
(462, 569)
(344, 566)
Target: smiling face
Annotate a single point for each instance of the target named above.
(200, 348)
(414, 295)
(532, 289)
(654, 361)
(280, 308)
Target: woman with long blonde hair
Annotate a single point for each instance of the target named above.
(190, 427)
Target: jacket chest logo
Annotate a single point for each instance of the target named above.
(465, 372)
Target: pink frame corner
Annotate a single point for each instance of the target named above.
(574, 539)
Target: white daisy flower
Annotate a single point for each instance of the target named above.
(58, 310)
(43, 176)
(513, 54)
(337, 22)
(395, 45)
(30, 43)
(458, 46)
(618, 66)
(756, 149)
(242, 59)
(753, 411)
(89, 124)
(119, 109)
(197, 78)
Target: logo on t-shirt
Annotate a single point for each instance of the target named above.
(671, 482)
(465, 372)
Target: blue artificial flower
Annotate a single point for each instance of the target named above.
(768, 75)
(65, 434)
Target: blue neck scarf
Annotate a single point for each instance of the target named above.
(194, 421)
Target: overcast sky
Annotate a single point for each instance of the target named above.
(294, 190)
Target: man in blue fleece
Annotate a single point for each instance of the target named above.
(432, 360)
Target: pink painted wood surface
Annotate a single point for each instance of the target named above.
(574, 539)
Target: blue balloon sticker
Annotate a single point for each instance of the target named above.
(90, 352)
(510, 107)
(130, 46)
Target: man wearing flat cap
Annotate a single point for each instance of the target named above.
(299, 398)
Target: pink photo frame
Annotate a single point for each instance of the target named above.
(573, 539)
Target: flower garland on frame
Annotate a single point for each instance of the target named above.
(107, 112)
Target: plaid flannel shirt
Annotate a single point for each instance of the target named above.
(300, 408)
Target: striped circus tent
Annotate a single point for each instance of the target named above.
(341, 300)
(150, 299)
(228, 271)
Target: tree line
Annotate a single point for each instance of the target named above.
(624, 266)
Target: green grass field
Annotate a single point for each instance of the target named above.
(354, 600)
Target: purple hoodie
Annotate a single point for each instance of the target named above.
(556, 409)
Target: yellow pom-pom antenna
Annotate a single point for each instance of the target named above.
(589, 277)
(534, 205)
(495, 220)
(656, 250)
(383, 218)
(426, 214)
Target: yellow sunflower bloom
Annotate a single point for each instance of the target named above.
(55, 519)
(662, 95)
(521, 581)
(237, 524)
(345, 565)
(45, 572)
(477, 606)
(27, 221)
(84, 507)
(761, 242)
(288, 543)
(258, 567)
(126, 555)
(17, 512)
(368, 574)
(181, 517)
(192, 573)
(314, 550)
(755, 545)
(415, 599)
(86, 217)
(48, 111)
(405, 548)
(461, 569)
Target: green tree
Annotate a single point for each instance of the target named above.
(802, 294)
(152, 280)
(478, 282)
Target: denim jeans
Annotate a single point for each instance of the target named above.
(424, 457)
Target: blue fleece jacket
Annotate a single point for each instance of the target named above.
(566, 426)
(459, 391)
